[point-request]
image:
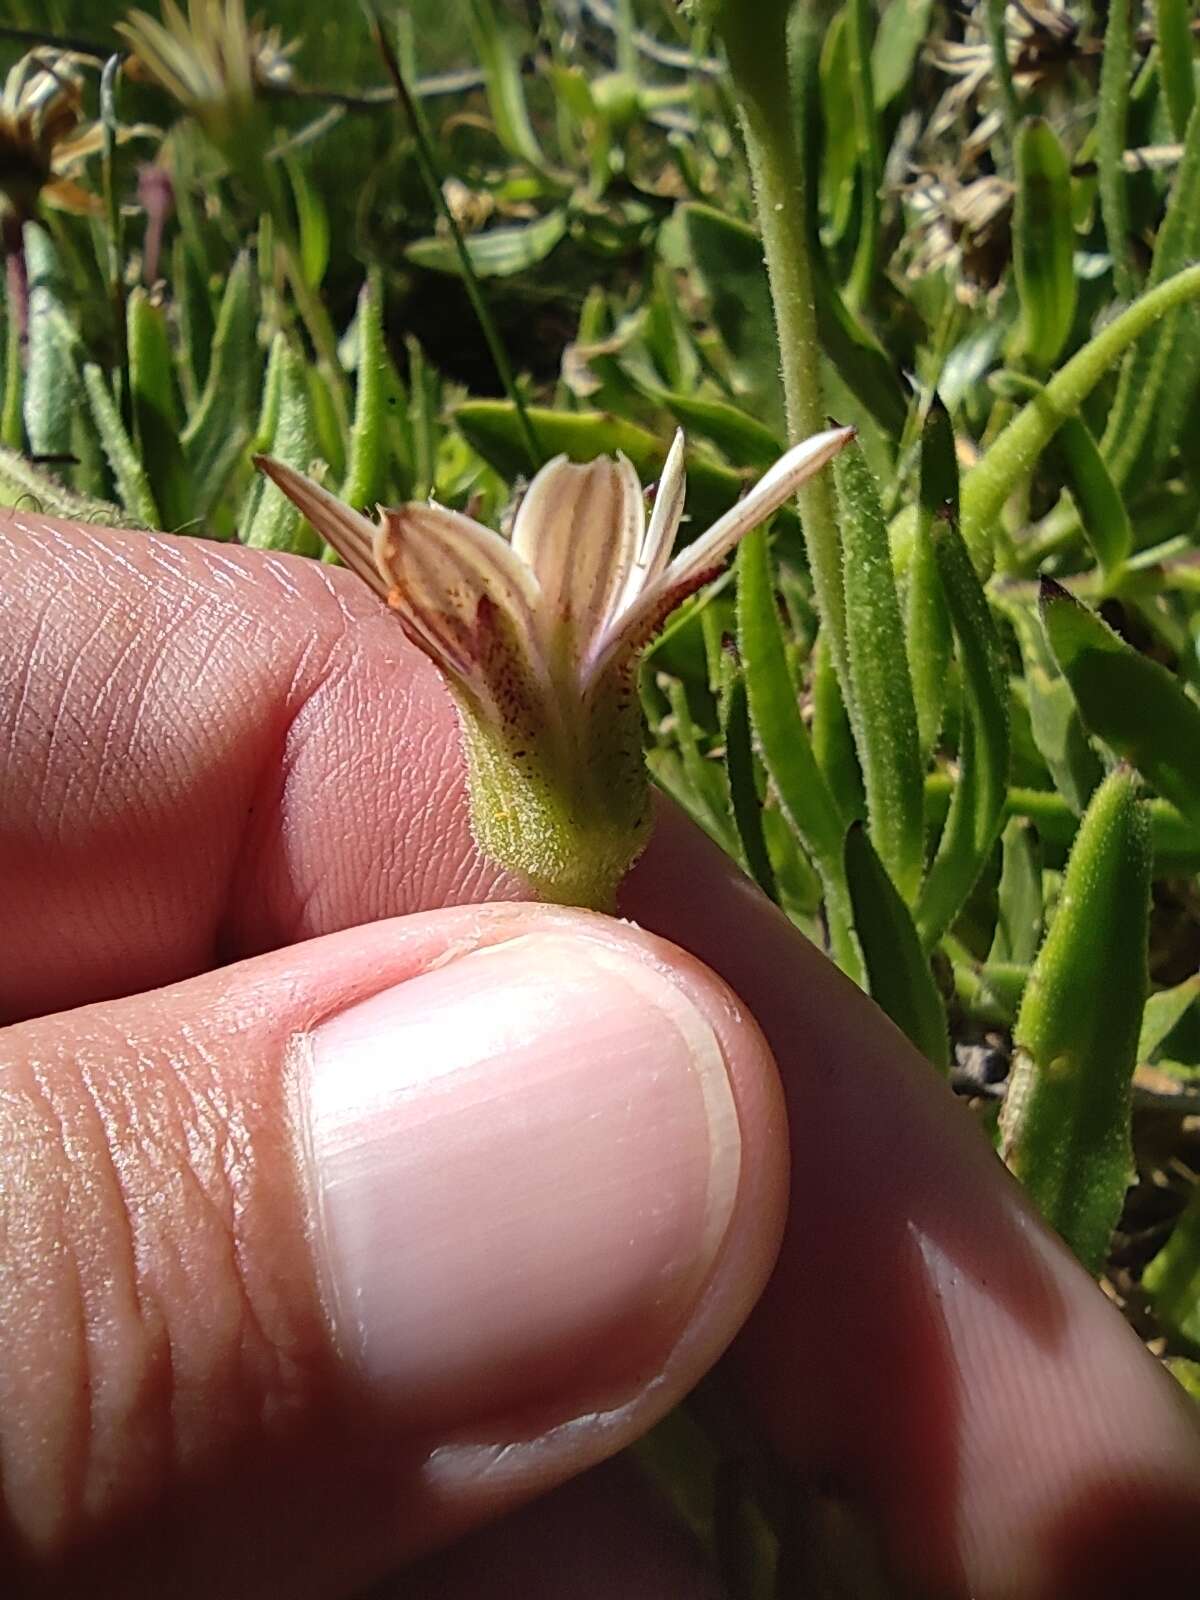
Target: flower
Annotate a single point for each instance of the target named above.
(214, 62)
(41, 139)
(540, 638)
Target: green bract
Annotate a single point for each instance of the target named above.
(540, 639)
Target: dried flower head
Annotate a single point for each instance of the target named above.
(540, 637)
(43, 137)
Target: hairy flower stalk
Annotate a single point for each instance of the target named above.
(540, 639)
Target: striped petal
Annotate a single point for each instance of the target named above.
(579, 529)
(702, 559)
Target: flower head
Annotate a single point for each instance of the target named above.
(214, 62)
(540, 636)
(42, 142)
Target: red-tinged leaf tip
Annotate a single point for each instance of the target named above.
(1050, 589)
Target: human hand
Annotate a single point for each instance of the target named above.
(316, 1255)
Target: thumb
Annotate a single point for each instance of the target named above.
(310, 1263)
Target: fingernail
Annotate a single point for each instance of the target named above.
(523, 1165)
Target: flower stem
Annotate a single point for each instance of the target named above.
(756, 42)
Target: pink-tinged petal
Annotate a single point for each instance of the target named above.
(703, 559)
(579, 529)
(350, 533)
(659, 538)
(460, 588)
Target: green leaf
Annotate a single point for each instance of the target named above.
(784, 744)
(882, 713)
(276, 524)
(132, 484)
(743, 790)
(313, 218)
(1131, 702)
(832, 739)
(710, 801)
(1159, 376)
(1176, 60)
(499, 252)
(364, 482)
(1172, 1278)
(1065, 1124)
(1043, 243)
(1116, 75)
(1019, 919)
(216, 432)
(52, 383)
(12, 423)
(501, 65)
(1106, 525)
(1163, 1011)
(29, 488)
(1054, 719)
(490, 426)
(1011, 457)
(977, 806)
(740, 437)
(860, 30)
(927, 630)
(728, 260)
(898, 39)
(898, 974)
(156, 416)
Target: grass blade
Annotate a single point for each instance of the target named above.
(1116, 75)
(1043, 243)
(132, 483)
(743, 790)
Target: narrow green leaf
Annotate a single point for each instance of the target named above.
(1065, 1124)
(1131, 702)
(364, 482)
(216, 431)
(1102, 512)
(860, 30)
(1176, 60)
(898, 38)
(898, 974)
(784, 744)
(1159, 375)
(501, 65)
(499, 252)
(977, 805)
(832, 739)
(312, 215)
(490, 426)
(12, 426)
(132, 484)
(740, 437)
(52, 383)
(1116, 75)
(1019, 919)
(882, 714)
(703, 777)
(1043, 243)
(1054, 719)
(743, 790)
(995, 18)
(276, 524)
(928, 634)
(156, 415)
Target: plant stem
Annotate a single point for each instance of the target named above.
(479, 305)
(756, 43)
